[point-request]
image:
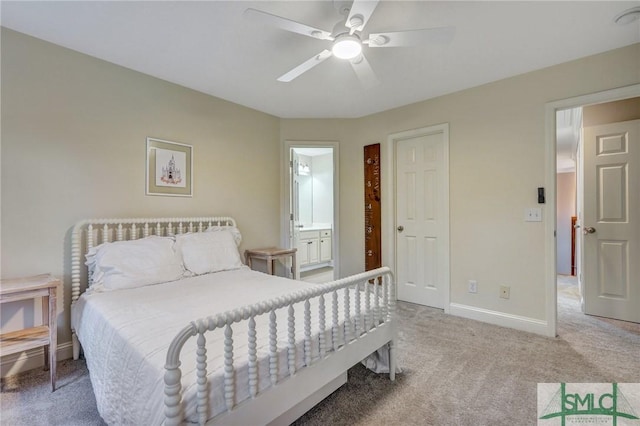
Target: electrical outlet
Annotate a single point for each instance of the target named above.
(505, 291)
(473, 286)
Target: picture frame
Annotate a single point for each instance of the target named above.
(169, 168)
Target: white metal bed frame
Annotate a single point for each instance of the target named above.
(363, 332)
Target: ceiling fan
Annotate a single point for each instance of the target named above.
(347, 38)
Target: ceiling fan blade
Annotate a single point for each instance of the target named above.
(364, 72)
(305, 66)
(412, 37)
(359, 14)
(286, 24)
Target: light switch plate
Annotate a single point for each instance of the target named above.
(533, 214)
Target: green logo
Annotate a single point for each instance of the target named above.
(586, 404)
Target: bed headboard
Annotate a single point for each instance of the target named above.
(89, 233)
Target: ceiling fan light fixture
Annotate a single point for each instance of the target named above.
(628, 16)
(357, 60)
(355, 22)
(378, 40)
(346, 46)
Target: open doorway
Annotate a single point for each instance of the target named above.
(603, 199)
(312, 209)
(568, 188)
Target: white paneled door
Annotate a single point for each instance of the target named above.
(422, 217)
(611, 223)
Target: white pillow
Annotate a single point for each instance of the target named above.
(204, 252)
(135, 263)
(234, 231)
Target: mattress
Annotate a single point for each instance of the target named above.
(125, 335)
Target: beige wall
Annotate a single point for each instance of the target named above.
(611, 112)
(565, 207)
(497, 160)
(73, 147)
(74, 131)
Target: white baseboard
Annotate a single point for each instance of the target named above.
(33, 358)
(517, 322)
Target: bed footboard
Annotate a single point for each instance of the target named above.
(342, 338)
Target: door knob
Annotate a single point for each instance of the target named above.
(400, 228)
(589, 230)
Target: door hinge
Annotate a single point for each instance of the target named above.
(291, 216)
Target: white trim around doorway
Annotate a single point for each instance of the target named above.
(286, 190)
(388, 154)
(550, 183)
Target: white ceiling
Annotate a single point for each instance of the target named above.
(212, 48)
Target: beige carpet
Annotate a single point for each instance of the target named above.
(456, 372)
(568, 287)
(461, 372)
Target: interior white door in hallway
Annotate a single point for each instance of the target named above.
(422, 217)
(611, 223)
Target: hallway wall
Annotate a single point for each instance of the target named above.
(566, 207)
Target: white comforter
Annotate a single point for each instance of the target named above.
(125, 335)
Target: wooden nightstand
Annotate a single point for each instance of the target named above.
(46, 335)
(270, 254)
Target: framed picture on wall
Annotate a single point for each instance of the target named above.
(169, 168)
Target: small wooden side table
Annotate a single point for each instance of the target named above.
(270, 254)
(46, 335)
